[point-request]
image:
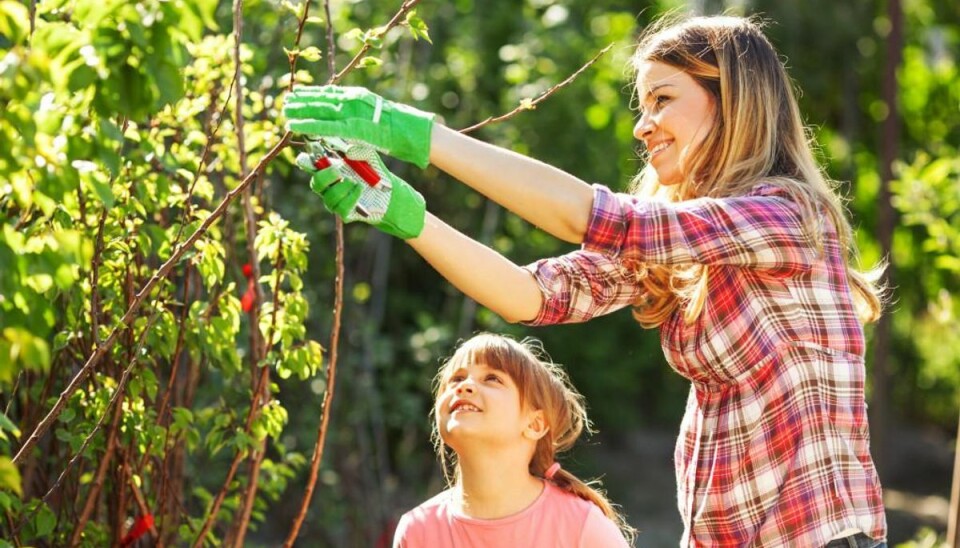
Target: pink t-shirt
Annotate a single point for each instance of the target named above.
(557, 519)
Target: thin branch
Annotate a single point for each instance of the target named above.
(261, 392)
(533, 104)
(33, 16)
(257, 457)
(301, 22)
(218, 501)
(95, 281)
(204, 155)
(140, 500)
(331, 45)
(117, 411)
(328, 395)
(127, 318)
(401, 13)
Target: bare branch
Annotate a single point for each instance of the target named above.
(331, 45)
(218, 501)
(301, 22)
(397, 18)
(328, 395)
(533, 104)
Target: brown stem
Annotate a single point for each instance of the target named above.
(165, 268)
(138, 497)
(218, 501)
(33, 16)
(121, 478)
(204, 155)
(328, 395)
(406, 7)
(256, 458)
(301, 22)
(111, 441)
(178, 349)
(250, 494)
(533, 104)
(331, 44)
(95, 281)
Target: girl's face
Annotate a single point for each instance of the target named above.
(479, 403)
(676, 114)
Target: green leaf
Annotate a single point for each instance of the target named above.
(103, 191)
(10, 476)
(14, 21)
(45, 521)
(947, 262)
(291, 7)
(311, 53)
(418, 28)
(369, 61)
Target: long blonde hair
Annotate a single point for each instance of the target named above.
(757, 136)
(542, 385)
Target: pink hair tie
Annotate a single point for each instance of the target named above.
(552, 471)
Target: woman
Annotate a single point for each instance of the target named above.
(734, 244)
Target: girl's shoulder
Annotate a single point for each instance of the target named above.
(437, 506)
(416, 525)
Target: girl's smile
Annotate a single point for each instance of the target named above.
(477, 402)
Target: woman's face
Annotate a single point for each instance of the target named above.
(676, 113)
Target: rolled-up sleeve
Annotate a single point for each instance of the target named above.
(581, 285)
(762, 230)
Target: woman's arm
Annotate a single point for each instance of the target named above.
(483, 274)
(551, 199)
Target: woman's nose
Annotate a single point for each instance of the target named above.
(644, 127)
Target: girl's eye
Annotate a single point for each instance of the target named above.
(660, 100)
(494, 378)
(454, 379)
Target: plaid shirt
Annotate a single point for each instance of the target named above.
(774, 445)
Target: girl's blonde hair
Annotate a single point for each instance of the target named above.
(757, 136)
(543, 385)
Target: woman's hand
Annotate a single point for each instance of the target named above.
(355, 185)
(358, 114)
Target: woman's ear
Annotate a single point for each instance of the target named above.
(537, 426)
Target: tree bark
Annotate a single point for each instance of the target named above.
(886, 219)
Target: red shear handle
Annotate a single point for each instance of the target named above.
(361, 168)
(364, 170)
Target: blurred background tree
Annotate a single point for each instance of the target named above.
(136, 121)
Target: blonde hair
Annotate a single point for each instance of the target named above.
(757, 136)
(543, 385)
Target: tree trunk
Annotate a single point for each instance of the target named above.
(953, 536)
(886, 219)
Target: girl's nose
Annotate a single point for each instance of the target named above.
(466, 385)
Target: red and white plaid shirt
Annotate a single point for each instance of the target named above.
(774, 446)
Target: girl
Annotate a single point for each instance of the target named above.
(734, 245)
(501, 415)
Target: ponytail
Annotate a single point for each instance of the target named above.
(591, 492)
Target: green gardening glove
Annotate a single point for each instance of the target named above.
(354, 184)
(358, 114)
